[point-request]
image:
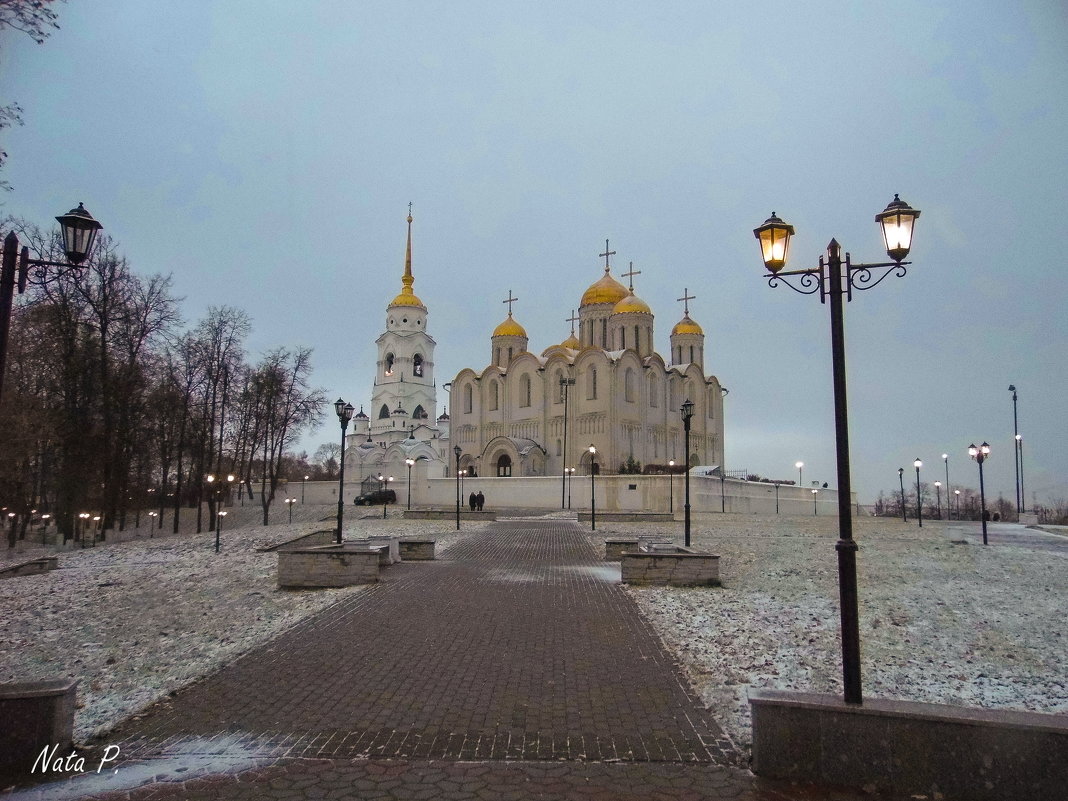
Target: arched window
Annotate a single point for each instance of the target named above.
(383, 413)
(654, 391)
(622, 338)
(524, 390)
(591, 384)
(389, 364)
(559, 447)
(691, 354)
(509, 355)
(419, 413)
(417, 364)
(467, 398)
(628, 385)
(637, 338)
(504, 465)
(497, 361)
(495, 395)
(604, 333)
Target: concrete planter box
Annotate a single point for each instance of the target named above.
(328, 566)
(447, 514)
(903, 748)
(417, 550)
(614, 547)
(670, 565)
(325, 537)
(32, 568)
(35, 715)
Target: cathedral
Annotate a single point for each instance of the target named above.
(399, 426)
(530, 415)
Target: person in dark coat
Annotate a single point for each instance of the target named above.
(472, 501)
(481, 499)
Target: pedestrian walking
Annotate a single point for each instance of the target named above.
(472, 501)
(480, 499)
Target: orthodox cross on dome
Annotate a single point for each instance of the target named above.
(606, 254)
(685, 301)
(409, 211)
(572, 319)
(631, 275)
(510, 301)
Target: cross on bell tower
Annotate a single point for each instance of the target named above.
(685, 301)
(510, 301)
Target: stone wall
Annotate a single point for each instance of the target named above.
(327, 566)
(31, 568)
(416, 550)
(35, 715)
(680, 568)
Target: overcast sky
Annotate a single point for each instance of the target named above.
(265, 154)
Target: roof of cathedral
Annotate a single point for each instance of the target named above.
(571, 342)
(407, 297)
(686, 326)
(605, 289)
(632, 303)
(509, 328)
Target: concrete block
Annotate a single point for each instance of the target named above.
(35, 715)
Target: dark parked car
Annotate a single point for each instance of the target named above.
(376, 497)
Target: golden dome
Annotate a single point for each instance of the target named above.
(571, 342)
(407, 298)
(686, 326)
(509, 328)
(605, 290)
(632, 303)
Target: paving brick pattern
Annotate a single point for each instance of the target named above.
(519, 645)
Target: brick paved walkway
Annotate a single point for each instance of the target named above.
(519, 645)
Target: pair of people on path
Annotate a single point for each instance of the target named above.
(476, 501)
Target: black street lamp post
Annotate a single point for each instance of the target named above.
(938, 497)
(456, 452)
(570, 473)
(957, 493)
(814, 493)
(79, 231)
(289, 502)
(593, 488)
(776, 497)
(979, 455)
(1017, 455)
(671, 487)
(901, 481)
(344, 415)
(834, 279)
(302, 489)
(565, 384)
(1023, 497)
(800, 471)
(949, 509)
(687, 416)
(919, 507)
(216, 493)
(409, 461)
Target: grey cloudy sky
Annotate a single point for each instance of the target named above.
(265, 154)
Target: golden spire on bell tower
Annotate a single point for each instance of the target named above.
(407, 297)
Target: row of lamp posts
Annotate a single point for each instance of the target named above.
(979, 454)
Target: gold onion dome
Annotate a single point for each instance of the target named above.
(686, 326)
(407, 297)
(632, 303)
(571, 342)
(509, 328)
(605, 290)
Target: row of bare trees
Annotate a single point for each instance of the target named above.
(111, 405)
(935, 505)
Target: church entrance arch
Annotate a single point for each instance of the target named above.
(504, 465)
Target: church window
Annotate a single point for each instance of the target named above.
(467, 399)
(509, 355)
(404, 320)
(628, 385)
(495, 395)
(389, 364)
(498, 359)
(604, 333)
(591, 384)
(673, 397)
(559, 447)
(637, 338)
(504, 465)
(691, 354)
(622, 338)
(417, 364)
(383, 413)
(524, 391)
(711, 404)
(419, 413)
(654, 391)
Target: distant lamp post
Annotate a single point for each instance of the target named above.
(957, 493)
(901, 481)
(344, 415)
(1017, 453)
(949, 511)
(800, 466)
(84, 517)
(938, 497)
(456, 452)
(79, 232)
(776, 497)
(385, 496)
(570, 472)
(409, 461)
(151, 523)
(815, 492)
(979, 455)
(687, 416)
(289, 503)
(302, 481)
(96, 529)
(835, 279)
(463, 475)
(593, 491)
(919, 508)
(565, 385)
(1019, 449)
(671, 486)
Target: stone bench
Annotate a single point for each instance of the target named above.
(614, 547)
(330, 565)
(322, 537)
(660, 563)
(31, 568)
(413, 549)
(447, 514)
(628, 517)
(36, 715)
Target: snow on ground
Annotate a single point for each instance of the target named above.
(940, 622)
(137, 620)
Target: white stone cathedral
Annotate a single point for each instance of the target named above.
(529, 415)
(400, 424)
